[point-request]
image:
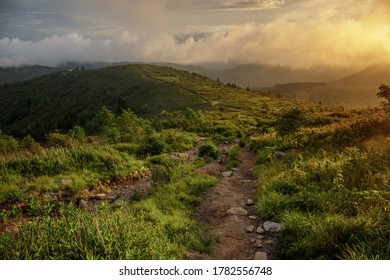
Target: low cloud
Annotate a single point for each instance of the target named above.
(298, 38)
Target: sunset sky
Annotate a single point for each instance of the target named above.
(297, 33)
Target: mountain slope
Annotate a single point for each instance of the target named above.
(258, 75)
(62, 99)
(16, 74)
(371, 76)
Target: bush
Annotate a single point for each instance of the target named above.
(152, 146)
(209, 150)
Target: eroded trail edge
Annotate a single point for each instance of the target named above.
(229, 208)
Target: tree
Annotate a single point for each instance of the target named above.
(384, 92)
(289, 123)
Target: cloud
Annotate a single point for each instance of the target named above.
(249, 5)
(308, 33)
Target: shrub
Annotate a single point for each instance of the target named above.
(209, 150)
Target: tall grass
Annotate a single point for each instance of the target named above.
(335, 204)
(159, 227)
(83, 166)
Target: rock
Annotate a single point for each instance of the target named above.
(234, 169)
(64, 182)
(260, 236)
(279, 154)
(245, 181)
(272, 227)
(250, 202)
(253, 240)
(99, 196)
(269, 242)
(258, 243)
(253, 217)
(227, 174)
(250, 229)
(260, 230)
(237, 211)
(261, 256)
(83, 204)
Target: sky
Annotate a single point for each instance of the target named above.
(295, 33)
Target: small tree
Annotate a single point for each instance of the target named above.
(289, 123)
(384, 92)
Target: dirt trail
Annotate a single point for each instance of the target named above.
(237, 236)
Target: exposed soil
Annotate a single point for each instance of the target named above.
(235, 239)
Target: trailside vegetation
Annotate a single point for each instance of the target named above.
(324, 171)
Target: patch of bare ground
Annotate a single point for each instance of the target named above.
(229, 208)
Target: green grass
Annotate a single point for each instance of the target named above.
(335, 203)
(159, 227)
(84, 166)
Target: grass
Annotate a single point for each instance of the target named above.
(82, 166)
(334, 203)
(159, 227)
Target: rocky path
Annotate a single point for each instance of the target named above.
(229, 208)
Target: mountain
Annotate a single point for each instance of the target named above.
(371, 76)
(17, 74)
(269, 75)
(27, 72)
(65, 98)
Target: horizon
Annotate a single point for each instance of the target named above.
(290, 33)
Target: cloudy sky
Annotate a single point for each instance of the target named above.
(298, 33)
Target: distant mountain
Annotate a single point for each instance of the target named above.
(371, 76)
(259, 75)
(23, 73)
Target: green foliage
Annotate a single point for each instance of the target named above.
(384, 93)
(209, 150)
(77, 133)
(330, 202)
(82, 165)
(152, 145)
(167, 170)
(7, 143)
(159, 227)
(59, 140)
(289, 122)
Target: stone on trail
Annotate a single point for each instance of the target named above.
(253, 217)
(261, 256)
(272, 227)
(260, 230)
(258, 243)
(250, 202)
(227, 174)
(237, 211)
(250, 229)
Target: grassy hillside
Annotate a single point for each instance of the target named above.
(324, 171)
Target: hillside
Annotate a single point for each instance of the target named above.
(371, 76)
(63, 99)
(17, 74)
